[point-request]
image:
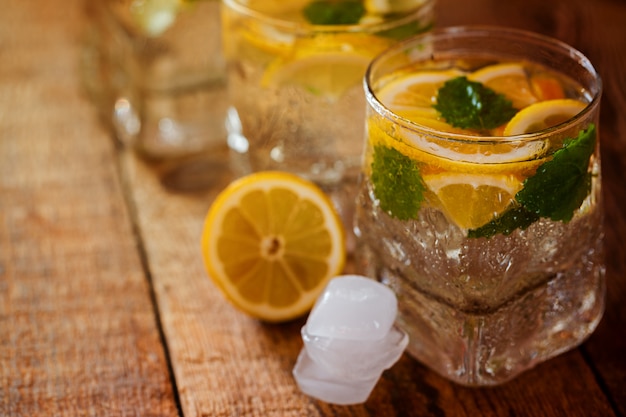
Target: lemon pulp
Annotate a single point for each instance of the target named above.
(271, 241)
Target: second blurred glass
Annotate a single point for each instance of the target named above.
(156, 71)
(295, 76)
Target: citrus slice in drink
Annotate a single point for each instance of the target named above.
(472, 200)
(509, 79)
(547, 87)
(415, 91)
(325, 65)
(329, 74)
(390, 6)
(271, 241)
(543, 115)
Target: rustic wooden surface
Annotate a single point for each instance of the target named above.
(105, 308)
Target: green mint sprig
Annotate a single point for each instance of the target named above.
(334, 12)
(471, 105)
(556, 191)
(398, 184)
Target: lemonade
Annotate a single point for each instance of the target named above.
(480, 203)
(295, 77)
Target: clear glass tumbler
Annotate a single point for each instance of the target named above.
(156, 71)
(295, 78)
(480, 202)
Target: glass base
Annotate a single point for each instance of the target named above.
(490, 347)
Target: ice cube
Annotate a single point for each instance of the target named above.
(353, 308)
(355, 359)
(349, 340)
(313, 380)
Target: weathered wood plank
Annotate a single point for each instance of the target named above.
(228, 364)
(78, 331)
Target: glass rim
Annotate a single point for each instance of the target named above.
(308, 28)
(484, 31)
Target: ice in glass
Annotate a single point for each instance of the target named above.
(295, 77)
(480, 202)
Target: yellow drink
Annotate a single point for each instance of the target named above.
(480, 203)
(295, 79)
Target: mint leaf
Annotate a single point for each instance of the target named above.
(398, 184)
(561, 185)
(556, 191)
(470, 105)
(513, 218)
(334, 12)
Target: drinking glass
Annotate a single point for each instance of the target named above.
(295, 73)
(156, 71)
(480, 203)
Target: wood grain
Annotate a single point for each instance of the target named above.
(102, 287)
(78, 334)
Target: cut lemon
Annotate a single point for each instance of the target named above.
(543, 115)
(509, 79)
(391, 6)
(326, 65)
(278, 8)
(271, 241)
(417, 90)
(472, 200)
(266, 39)
(328, 74)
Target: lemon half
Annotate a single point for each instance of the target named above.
(271, 241)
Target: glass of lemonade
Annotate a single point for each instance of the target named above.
(157, 73)
(480, 201)
(295, 77)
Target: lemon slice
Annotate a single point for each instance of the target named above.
(327, 65)
(416, 90)
(472, 200)
(509, 79)
(271, 241)
(391, 6)
(265, 39)
(328, 74)
(543, 115)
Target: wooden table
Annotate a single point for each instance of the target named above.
(105, 307)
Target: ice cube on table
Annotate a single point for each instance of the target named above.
(354, 359)
(349, 340)
(353, 308)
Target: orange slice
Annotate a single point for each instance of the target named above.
(547, 87)
(509, 79)
(271, 241)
